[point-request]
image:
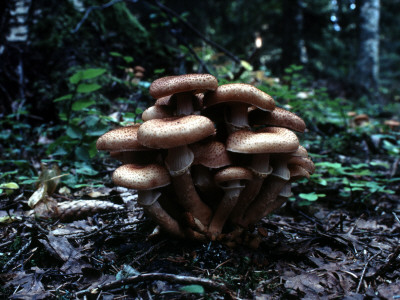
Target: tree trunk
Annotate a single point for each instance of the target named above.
(293, 45)
(367, 69)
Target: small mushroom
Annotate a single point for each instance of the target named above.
(122, 143)
(238, 97)
(259, 145)
(278, 117)
(272, 186)
(147, 179)
(157, 112)
(230, 180)
(183, 87)
(175, 134)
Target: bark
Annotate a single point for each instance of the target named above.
(367, 69)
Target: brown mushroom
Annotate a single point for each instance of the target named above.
(278, 117)
(147, 179)
(259, 144)
(230, 180)
(238, 97)
(175, 134)
(122, 143)
(183, 87)
(157, 112)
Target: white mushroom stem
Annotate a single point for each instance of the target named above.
(178, 162)
(232, 191)
(148, 199)
(184, 104)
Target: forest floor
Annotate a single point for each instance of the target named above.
(326, 250)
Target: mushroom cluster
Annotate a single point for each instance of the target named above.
(209, 161)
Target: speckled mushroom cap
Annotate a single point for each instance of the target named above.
(267, 140)
(278, 117)
(303, 162)
(240, 92)
(232, 173)
(173, 132)
(157, 112)
(141, 177)
(183, 83)
(120, 139)
(211, 154)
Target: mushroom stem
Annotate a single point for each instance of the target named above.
(189, 199)
(148, 199)
(184, 104)
(228, 202)
(260, 164)
(237, 116)
(178, 162)
(261, 168)
(246, 197)
(262, 203)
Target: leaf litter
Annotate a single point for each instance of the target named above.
(321, 251)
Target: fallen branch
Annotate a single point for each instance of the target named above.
(171, 278)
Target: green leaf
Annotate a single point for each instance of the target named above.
(88, 87)
(74, 79)
(74, 132)
(246, 65)
(82, 104)
(91, 120)
(193, 289)
(62, 98)
(86, 74)
(309, 197)
(81, 153)
(92, 73)
(9, 187)
(128, 59)
(85, 169)
(115, 54)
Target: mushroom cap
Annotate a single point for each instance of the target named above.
(139, 69)
(240, 92)
(183, 83)
(297, 172)
(267, 140)
(211, 154)
(303, 162)
(120, 139)
(278, 117)
(173, 132)
(300, 152)
(170, 100)
(392, 123)
(157, 112)
(141, 177)
(232, 173)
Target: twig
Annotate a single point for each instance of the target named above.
(390, 261)
(151, 249)
(90, 9)
(171, 278)
(364, 270)
(396, 217)
(17, 255)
